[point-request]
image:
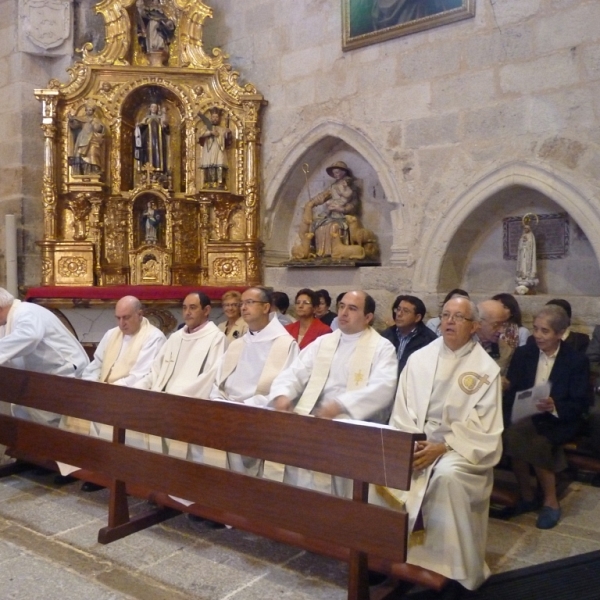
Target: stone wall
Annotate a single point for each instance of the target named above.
(445, 120)
(453, 116)
(21, 139)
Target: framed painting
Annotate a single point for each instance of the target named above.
(370, 21)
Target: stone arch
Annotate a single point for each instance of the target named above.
(324, 139)
(438, 239)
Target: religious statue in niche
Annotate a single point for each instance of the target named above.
(151, 221)
(88, 141)
(331, 227)
(155, 29)
(214, 140)
(527, 258)
(151, 140)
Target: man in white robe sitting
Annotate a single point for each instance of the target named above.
(125, 354)
(252, 362)
(451, 391)
(351, 372)
(186, 365)
(33, 338)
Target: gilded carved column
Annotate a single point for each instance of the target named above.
(48, 98)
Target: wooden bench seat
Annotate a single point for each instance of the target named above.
(347, 529)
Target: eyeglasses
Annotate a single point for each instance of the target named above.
(404, 311)
(458, 317)
(252, 302)
(303, 303)
(232, 305)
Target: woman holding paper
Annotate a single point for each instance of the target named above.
(536, 440)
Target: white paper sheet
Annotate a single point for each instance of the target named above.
(526, 401)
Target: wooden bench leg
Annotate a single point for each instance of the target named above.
(358, 576)
(120, 524)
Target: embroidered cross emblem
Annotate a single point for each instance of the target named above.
(471, 382)
(358, 377)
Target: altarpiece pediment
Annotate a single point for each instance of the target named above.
(151, 162)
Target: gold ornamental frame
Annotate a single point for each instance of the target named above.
(359, 26)
(124, 147)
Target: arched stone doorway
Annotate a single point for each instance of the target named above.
(456, 244)
(288, 190)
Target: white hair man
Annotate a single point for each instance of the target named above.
(252, 362)
(352, 371)
(450, 390)
(33, 338)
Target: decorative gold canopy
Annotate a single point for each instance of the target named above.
(152, 156)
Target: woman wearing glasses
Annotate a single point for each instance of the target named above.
(307, 328)
(235, 326)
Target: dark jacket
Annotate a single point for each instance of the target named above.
(328, 317)
(422, 337)
(570, 390)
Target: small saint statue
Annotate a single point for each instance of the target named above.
(88, 144)
(526, 258)
(214, 140)
(151, 219)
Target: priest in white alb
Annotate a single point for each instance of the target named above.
(33, 338)
(252, 362)
(451, 391)
(350, 373)
(125, 354)
(186, 365)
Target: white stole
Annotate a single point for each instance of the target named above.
(360, 367)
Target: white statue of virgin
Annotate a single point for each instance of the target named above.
(526, 258)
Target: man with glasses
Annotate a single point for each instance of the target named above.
(494, 316)
(450, 391)
(409, 333)
(252, 362)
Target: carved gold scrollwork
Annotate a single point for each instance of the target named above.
(227, 268)
(118, 27)
(199, 232)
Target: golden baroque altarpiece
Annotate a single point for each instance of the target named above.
(151, 157)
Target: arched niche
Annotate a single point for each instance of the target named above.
(134, 109)
(284, 212)
(474, 258)
(472, 224)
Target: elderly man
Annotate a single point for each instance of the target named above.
(450, 390)
(252, 362)
(125, 353)
(494, 315)
(33, 338)
(186, 364)
(350, 372)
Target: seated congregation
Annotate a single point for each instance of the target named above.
(456, 381)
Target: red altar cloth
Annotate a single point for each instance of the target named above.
(142, 292)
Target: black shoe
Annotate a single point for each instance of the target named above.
(376, 578)
(64, 479)
(210, 524)
(452, 591)
(88, 486)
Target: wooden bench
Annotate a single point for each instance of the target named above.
(364, 535)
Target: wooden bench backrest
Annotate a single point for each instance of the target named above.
(362, 453)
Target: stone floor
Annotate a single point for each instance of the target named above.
(48, 550)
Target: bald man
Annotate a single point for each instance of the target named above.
(494, 315)
(125, 354)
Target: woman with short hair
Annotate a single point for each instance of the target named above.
(307, 328)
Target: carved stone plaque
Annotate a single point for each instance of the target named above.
(45, 26)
